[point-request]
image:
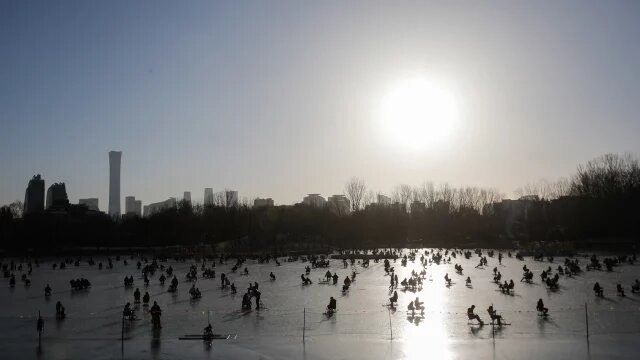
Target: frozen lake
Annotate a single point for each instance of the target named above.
(360, 329)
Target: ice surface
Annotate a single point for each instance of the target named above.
(359, 330)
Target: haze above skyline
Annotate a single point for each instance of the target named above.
(283, 98)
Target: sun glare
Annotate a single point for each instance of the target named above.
(418, 114)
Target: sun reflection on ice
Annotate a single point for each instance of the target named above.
(430, 337)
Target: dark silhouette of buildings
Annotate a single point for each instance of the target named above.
(57, 196)
(90, 203)
(34, 195)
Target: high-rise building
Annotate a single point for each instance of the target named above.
(114, 182)
(314, 200)
(231, 197)
(208, 196)
(159, 206)
(34, 195)
(90, 203)
(129, 204)
(187, 196)
(137, 207)
(262, 202)
(57, 196)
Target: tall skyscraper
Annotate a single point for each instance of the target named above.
(34, 195)
(187, 196)
(114, 182)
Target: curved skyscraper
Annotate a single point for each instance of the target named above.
(114, 182)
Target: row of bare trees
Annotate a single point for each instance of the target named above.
(545, 189)
(468, 197)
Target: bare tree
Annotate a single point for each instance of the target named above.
(369, 198)
(220, 199)
(355, 190)
(17, 209)
(402, 194)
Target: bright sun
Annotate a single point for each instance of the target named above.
(418, 114)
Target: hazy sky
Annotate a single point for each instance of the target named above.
(279, 99)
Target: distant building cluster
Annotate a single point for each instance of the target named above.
(314, 200)
(339, 204)
(90, 203)
(268, 202)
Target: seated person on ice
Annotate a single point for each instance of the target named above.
(394, 298)
(472, 316)
(494, 315)
(541, 309)
(332, 305)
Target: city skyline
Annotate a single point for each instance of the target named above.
(219, 95)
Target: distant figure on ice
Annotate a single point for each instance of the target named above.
(59, 310)
(305, 280)
(246, 302)
(40, 324)
(393, 299)
(208, 331)
(331, 308)
(128, 313)
(598, 289)
(155, 315)
(541, 309)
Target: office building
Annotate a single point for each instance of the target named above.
(208, 196)
(314, 200)
(57, 196)
(132, 206)
(384, 200)
(34, 195)
(114, 182)
(187, 196)
(339, 204)
(155, 208)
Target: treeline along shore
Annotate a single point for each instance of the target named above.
(599, 204)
